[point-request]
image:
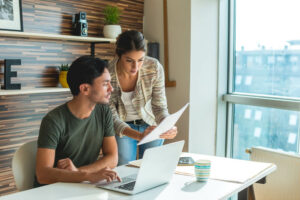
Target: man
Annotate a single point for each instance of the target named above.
(72, 134)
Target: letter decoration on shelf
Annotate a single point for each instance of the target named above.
(8, 74)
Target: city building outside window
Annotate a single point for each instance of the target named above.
(265, 78)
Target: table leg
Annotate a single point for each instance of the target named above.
(247, 194)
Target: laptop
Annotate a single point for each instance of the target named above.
(157, 168)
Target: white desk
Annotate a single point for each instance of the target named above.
(180, 187)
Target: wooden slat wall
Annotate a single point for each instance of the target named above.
(41, 59)
(50, 16)
(20, 115)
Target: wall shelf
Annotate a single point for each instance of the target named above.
(56, 37)
(13, 34)
(33, 91)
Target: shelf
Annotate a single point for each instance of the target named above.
(33, 91)
(56, 37)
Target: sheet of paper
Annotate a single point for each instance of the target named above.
(164, 126)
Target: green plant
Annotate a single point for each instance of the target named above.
(112, 15)
(64, 67)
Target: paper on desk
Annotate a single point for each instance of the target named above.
(135, 163)
(225, 169)
(164, 126)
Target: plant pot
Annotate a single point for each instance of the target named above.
(112, 31)
(63, 79)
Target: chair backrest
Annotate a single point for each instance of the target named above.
(284, 182)
(23, 165)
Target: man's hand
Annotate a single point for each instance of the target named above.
(66, 164)
(170, 134)
(106, 173)
(147, 131)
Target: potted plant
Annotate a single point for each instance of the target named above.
(64, 68)
(112, 17)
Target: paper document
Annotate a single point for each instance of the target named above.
(231, 170)
(164, 126)
(224, 169)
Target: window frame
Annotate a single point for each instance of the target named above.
(226, 77)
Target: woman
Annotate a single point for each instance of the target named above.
(138, 99)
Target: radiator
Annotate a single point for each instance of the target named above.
(284, 183)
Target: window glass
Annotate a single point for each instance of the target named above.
(267, 127)
(267, 47)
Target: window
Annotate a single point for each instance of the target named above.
(267, 36)
(264, 80)
(277, 129)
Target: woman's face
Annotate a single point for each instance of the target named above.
(131, 62)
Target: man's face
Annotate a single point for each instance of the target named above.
(101, 89)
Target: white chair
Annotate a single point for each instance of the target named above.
(285, 181)
(23, 165)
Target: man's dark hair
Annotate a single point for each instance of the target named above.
(129, 41)
(84, 70)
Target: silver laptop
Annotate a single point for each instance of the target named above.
(157, 168)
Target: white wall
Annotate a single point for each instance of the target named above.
(179, 53)
(193, 35)
(204, 65)
(153, 24)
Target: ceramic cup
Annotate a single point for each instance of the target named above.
(202, 170)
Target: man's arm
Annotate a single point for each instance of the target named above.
(47, 174)
(110, 158)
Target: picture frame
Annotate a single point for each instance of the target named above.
(11, 15)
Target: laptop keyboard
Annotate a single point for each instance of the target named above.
(127, 186)
(129, 182)
(129, 178)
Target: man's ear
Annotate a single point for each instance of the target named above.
(84, 88)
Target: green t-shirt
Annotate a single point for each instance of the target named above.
(77, 139)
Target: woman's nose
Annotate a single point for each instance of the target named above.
(135, 64)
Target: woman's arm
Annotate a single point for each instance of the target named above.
(159, 99)
(137, 135)
(119, 125)
(159, 102)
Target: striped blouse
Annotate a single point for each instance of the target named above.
(149, 98)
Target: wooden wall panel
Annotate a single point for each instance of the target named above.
(20, 115)
(41, 59)
(50, 16)
(20, 118)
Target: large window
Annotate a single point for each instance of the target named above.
(265, 71)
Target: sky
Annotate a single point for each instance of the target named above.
(269, 23)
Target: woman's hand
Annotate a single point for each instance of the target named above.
(170, 134)
(147, 131)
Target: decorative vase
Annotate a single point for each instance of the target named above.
(112, 31)
(63, 79)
